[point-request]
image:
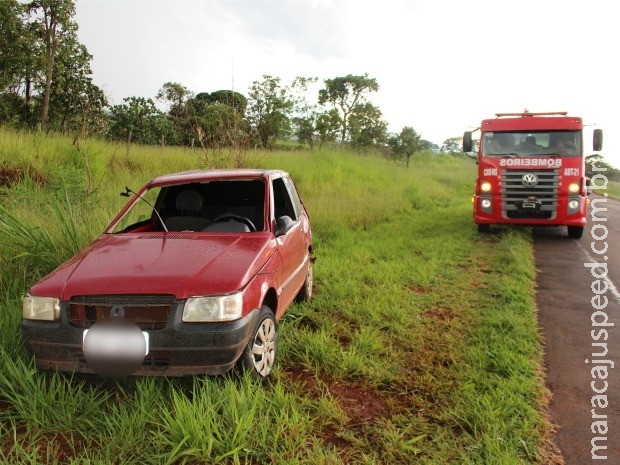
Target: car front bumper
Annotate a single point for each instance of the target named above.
(179, 349)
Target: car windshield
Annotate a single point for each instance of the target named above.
(140, 213)
(529, 144)
(235, 205)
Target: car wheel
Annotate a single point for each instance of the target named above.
(259, 355)
(305, 293)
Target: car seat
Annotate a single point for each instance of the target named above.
(188, 203)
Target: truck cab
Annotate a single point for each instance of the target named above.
(531, 171)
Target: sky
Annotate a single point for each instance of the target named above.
(442, 65)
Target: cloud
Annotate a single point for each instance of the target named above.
(441, 66)
(312, 28)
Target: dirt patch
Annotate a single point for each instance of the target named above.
(363, 406)
(10, 176)
(360, 404)
(417, 289)
(440, 313)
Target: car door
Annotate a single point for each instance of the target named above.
(292, 245)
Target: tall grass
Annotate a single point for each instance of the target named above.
(420, 346)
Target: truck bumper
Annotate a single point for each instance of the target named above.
(488, 210)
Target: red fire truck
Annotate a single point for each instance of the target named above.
(531, 171)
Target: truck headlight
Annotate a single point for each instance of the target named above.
(216, 308)
(485, 203)
(574, 187)
(485, 186)
(573, 204)
(40, 308)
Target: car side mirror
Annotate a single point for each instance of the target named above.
(283, 225)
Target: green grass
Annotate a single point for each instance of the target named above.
(421, 345)
(613, 189)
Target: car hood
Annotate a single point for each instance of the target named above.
(181, 264)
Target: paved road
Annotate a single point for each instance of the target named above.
(569, 288)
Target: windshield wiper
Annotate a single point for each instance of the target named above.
(126, 194)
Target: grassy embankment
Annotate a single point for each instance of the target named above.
(420, 346)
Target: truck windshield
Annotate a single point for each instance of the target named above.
(532, 144)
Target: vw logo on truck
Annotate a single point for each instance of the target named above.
(529, 180)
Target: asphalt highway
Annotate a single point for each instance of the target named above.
(578, 297)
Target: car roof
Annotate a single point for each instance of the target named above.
(216, 174)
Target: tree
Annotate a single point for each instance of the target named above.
(177, 96)
(452, 145)
(235, 100)
(366, 126)
(75, 101)
(305, 113)
(344, 94)
(139, 120)
(18, 62)
(12, 47)
(268, 112)
(328, 125)
(54, 26)
(219, 118)
(405, 144)
(428, 145)
(596, 164)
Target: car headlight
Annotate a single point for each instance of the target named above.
(218, 308)
(40, 308)
(574, 187)
(485, 186)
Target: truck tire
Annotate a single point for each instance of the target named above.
(484, 228)
(575, 232)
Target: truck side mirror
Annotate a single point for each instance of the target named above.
(467, 141)
(597, 140)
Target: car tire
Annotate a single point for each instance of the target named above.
(258, 357)
(305, 293)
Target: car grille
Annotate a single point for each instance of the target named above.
(545, 192)
(148, 312)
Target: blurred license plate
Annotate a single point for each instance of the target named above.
(118, 340)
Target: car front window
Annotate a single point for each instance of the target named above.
(140, 213)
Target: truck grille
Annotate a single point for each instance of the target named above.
(543, 194)
(146, 311)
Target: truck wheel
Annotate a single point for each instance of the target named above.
(484, 228)
(259, 355)
(305, 293)
(575, 232)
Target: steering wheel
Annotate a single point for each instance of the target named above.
(240, 219)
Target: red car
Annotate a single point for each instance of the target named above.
(190, 278)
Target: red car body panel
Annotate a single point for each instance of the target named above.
(149, 272)
(181, 264)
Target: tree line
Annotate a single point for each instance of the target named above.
(46, 83)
